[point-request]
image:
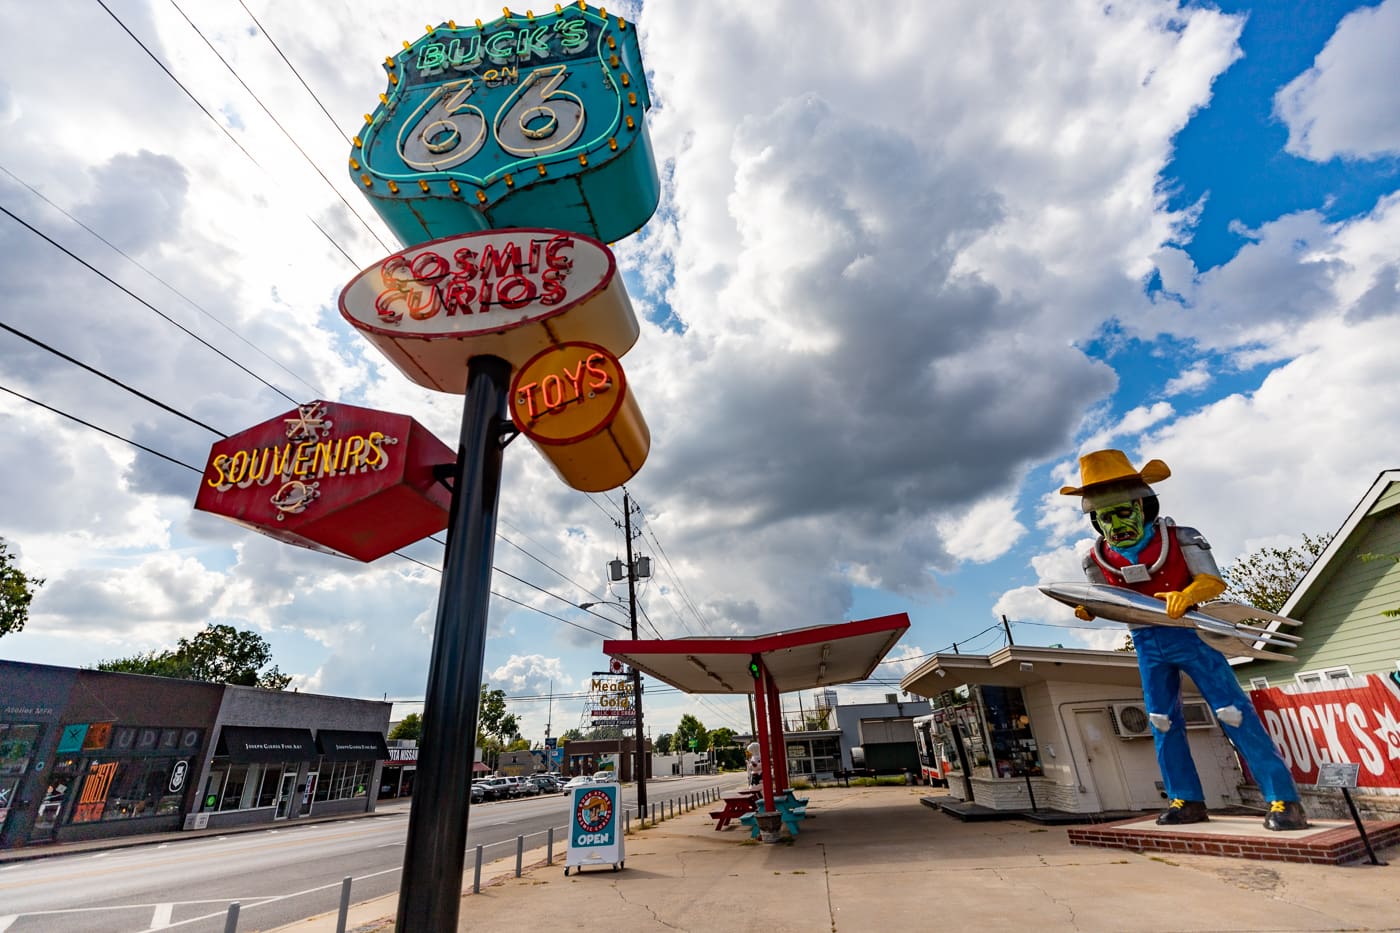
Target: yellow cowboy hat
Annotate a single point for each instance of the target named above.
(1109, 474)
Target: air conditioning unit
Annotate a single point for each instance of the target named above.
(1130, 719)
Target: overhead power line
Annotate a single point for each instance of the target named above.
(115, 284)
(112, 379)
(146, 269)
(278, 123)
(225, 130)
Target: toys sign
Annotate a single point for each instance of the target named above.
(572, 402)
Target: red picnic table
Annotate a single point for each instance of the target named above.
(735, 806)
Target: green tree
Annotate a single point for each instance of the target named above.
(16, 592)
(663, 743)
(1265, 578)
(494, 720)
(410, 727)
(723, 737)
(519, 745)
(570, 735)
(691, 730)
(220, 654)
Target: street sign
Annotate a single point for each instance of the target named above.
(595, 836)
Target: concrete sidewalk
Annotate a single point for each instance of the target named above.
(875, 859)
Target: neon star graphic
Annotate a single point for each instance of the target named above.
(1388, 733)
(308, 423)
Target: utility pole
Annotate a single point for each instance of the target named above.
(636, 673)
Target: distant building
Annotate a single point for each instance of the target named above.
(87, 754)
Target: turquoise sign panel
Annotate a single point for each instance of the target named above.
(526, 121)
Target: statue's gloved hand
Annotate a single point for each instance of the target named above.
(1083, 614)
(1203, 587)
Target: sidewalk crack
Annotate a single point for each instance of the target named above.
(623, 898)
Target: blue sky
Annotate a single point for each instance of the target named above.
(881, 326)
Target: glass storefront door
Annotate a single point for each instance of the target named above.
(286, 793)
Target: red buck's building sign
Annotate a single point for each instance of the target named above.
(331, 477)
(1343, 725)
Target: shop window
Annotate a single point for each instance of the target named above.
(17, 747)
(1013, 748)
(343, 780)
(267, 789)
(234, 783)
(137, 788)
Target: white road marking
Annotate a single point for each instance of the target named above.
(161, 918)
(6, 921)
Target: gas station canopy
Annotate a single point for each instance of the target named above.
(797, 659)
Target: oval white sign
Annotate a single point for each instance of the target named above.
(432, 306)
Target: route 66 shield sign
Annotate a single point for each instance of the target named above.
(527, 121)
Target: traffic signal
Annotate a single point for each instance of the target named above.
(754, 668)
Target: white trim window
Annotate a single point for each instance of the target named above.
(1258, 683)
(1323, 675)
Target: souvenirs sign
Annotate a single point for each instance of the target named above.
(572, 402)
(526, 120)
(505, 293)
(330, 477)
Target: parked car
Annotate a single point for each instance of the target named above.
(605, 777)
(495, 788)
(578, 780)
(478, 792)
(545, 784)
(526, 787)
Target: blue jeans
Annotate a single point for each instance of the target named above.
(1164, 652)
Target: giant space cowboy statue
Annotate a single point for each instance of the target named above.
(1141, 550)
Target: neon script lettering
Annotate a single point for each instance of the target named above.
(556, 390)
(463, 53)
(309, 459)
(471, 282)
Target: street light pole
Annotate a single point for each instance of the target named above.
(636, 673)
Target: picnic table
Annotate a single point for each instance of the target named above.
(792, 808)
(735, 805)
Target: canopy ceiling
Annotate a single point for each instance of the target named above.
(797, 659)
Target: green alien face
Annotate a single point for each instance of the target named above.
(1123, 524)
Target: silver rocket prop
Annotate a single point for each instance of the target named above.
(1231, 628)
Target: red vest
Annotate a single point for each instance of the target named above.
(1173, 577)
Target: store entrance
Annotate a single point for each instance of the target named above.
(286, 792)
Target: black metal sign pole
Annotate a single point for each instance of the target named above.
(430, 892)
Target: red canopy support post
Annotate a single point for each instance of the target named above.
(765, 755)
(776, 737)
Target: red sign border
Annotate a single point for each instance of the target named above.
(602, 285)
(603, 425)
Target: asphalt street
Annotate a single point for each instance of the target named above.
(277, 875)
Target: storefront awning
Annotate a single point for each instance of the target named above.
(343, 745)
(243, 744)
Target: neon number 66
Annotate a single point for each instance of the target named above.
(539, 118)
(445, 130)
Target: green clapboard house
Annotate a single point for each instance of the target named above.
(1342, 599)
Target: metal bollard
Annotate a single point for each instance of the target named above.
(549, 851)
(476, 875)
(344, 905)
(231, 922)
(627, 822)
(519, 854)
